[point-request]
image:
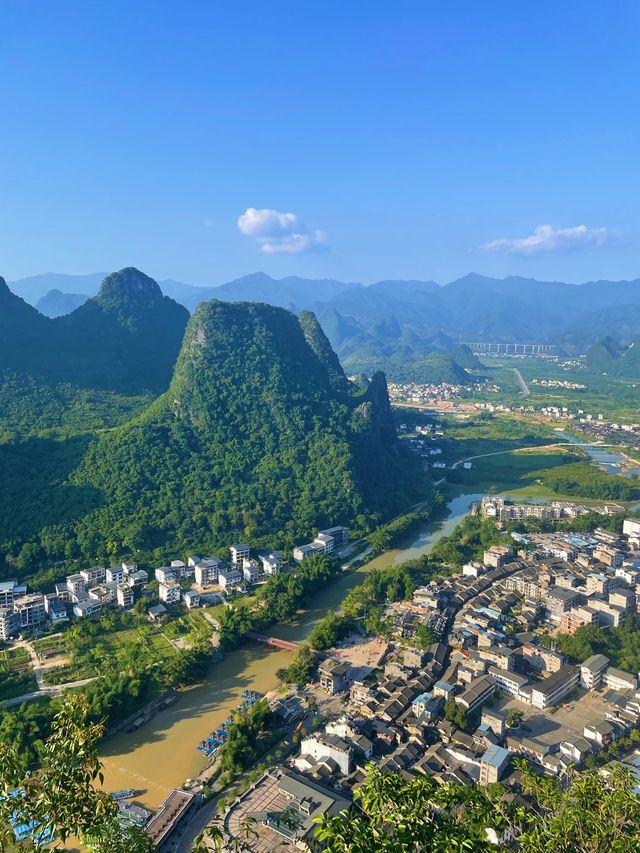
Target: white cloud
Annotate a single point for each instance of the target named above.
(548, 238)
(278, 232)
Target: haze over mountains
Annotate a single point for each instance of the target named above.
(512, 308)
(393, 325)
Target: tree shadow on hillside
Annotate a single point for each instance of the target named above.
(34, 487)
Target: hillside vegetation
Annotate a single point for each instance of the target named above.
(259, 435)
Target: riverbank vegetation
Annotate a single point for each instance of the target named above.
(386, 535)
(248, 738)
(63, 796)
(586, 480)
(277, 600)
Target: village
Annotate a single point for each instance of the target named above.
(193, 583)
(487, 690)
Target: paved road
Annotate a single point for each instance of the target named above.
(53, 690)
(523, 384)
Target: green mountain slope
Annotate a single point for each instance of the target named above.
(607, 356)
(79, 371)
(259, 435)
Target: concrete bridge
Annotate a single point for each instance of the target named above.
(511, 349)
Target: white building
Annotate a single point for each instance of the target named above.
(229, 577)
(76, 584)
(115, 574)
(191, 599)
(165, 574)
(592, 671)
(170, 592)
(271, 562)
(618, 679)
(252, 571)
(87, 608)
(323, 747)
(125, 595)
(206, 571)
(239, 553)
(94, 576)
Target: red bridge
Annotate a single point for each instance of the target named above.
(287, 645)
(272, 641)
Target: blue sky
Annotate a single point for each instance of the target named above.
(406, 139)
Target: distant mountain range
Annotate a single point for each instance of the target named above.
(399, 323)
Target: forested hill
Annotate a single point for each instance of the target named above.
(259, 436)
(611, 358)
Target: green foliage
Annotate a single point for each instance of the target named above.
(583, 479)
(301, 669)
(386, 535)
(402, 816)
(381, 586)
(240, 749)
(594, 814)
(467, 542)
(423, 637)
(62, 794)
(456, 714)
(621, 645)
(257, 437)
(330, 630)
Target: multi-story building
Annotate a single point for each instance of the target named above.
(191, 599)
(94, 576)
(598, 583)
(493, 764)
(9, 623)
(166, 574)
(618, 679)
(169, 592)
(56, 609)
(339, 534)
(271, 562)
(322, 747)
(76, 585)
(333, 675)
(239, 553)
(478, 692)
(551, 691)
(88, 608)
(622, 597)
(497, 555)
(509, 682)
(105, 593)
(115, 574)
(9, 591)
(206, 571)
(229, 576)
(592, 671)
(125, 595)
(609, 556)
(138, 578)
(31, 611)
(325, 543)
(301, 552)
(252, 571)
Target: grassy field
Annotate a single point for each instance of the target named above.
(510, 473)
(480, 435)
(16, 675)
